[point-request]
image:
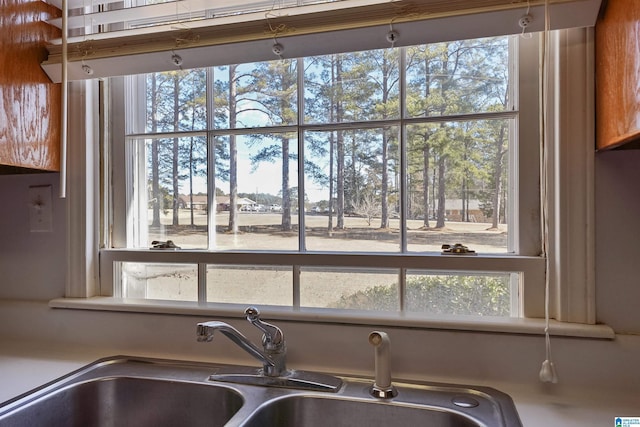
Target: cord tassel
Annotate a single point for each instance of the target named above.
(548, 371)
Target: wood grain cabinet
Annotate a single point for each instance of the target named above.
(29, 102)
(618, 75)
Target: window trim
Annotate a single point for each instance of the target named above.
(311, 316)
(569, 297)
(83, 191)
(570, 170)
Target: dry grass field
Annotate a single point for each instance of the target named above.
(262, 231)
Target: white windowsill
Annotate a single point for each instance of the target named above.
(451, 323)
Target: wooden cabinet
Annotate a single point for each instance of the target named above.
(618, 75)
(29, 102)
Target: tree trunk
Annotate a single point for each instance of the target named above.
(191, 181)
(331, 201)
(155, 156)
(340, 153)
(175, 171)
(425, 182)
(175, 182)
(332, 144)
(340, 179)
(384, 187)
(426, 151)
(496, 201)
(463, 201)
(286, 199)
(441, 189)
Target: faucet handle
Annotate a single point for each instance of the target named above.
(252, 314)
(273, 338)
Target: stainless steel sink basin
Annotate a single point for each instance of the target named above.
(125, 391)
(123, 401)
(335, 412)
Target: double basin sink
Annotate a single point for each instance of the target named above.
(125, 391)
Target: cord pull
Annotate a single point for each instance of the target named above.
(548, 372)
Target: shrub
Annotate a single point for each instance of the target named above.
(459, 295)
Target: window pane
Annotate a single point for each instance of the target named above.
(178, 282)
(176, 101)
(349, 87)
(458, 77)
(176, 190)
(349, 288)
(459, 294)
(256, 94)
(270, 285)
(352, 190)
(457, 182)
(263, 181)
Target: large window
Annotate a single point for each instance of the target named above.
(330, 182)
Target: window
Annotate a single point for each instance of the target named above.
(331, 182)
(111, 259)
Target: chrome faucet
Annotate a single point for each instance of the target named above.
(273, 355)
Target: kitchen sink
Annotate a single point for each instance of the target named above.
(124, 401)
(339, 412)
(129, 391)
(123, 391)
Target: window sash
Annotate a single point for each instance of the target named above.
(135, 87)
(530, 269)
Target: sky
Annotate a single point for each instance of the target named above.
(266, 178)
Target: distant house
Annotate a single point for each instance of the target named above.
(197, 201)
(453, 210)
(222, 203)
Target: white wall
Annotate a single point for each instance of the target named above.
(32, 271)
(618, 239)
(32, 265)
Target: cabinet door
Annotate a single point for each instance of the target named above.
(29, 102)
(618, 74)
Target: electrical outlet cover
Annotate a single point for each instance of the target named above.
(40, 209)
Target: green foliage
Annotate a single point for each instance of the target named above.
(453, 294)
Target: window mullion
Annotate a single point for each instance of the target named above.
(301, 136)
(403, 150)
(402, 274)
(202, 283)
(211, 161)
(296, 287)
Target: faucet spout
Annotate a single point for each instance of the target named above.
(382, 386)
(205, 334)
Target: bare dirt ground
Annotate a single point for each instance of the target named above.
(262, 231)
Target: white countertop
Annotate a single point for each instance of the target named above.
(27, 365)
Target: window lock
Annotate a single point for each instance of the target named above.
(457, 249)
(157, 244)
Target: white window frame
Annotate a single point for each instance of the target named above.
(570, 221)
